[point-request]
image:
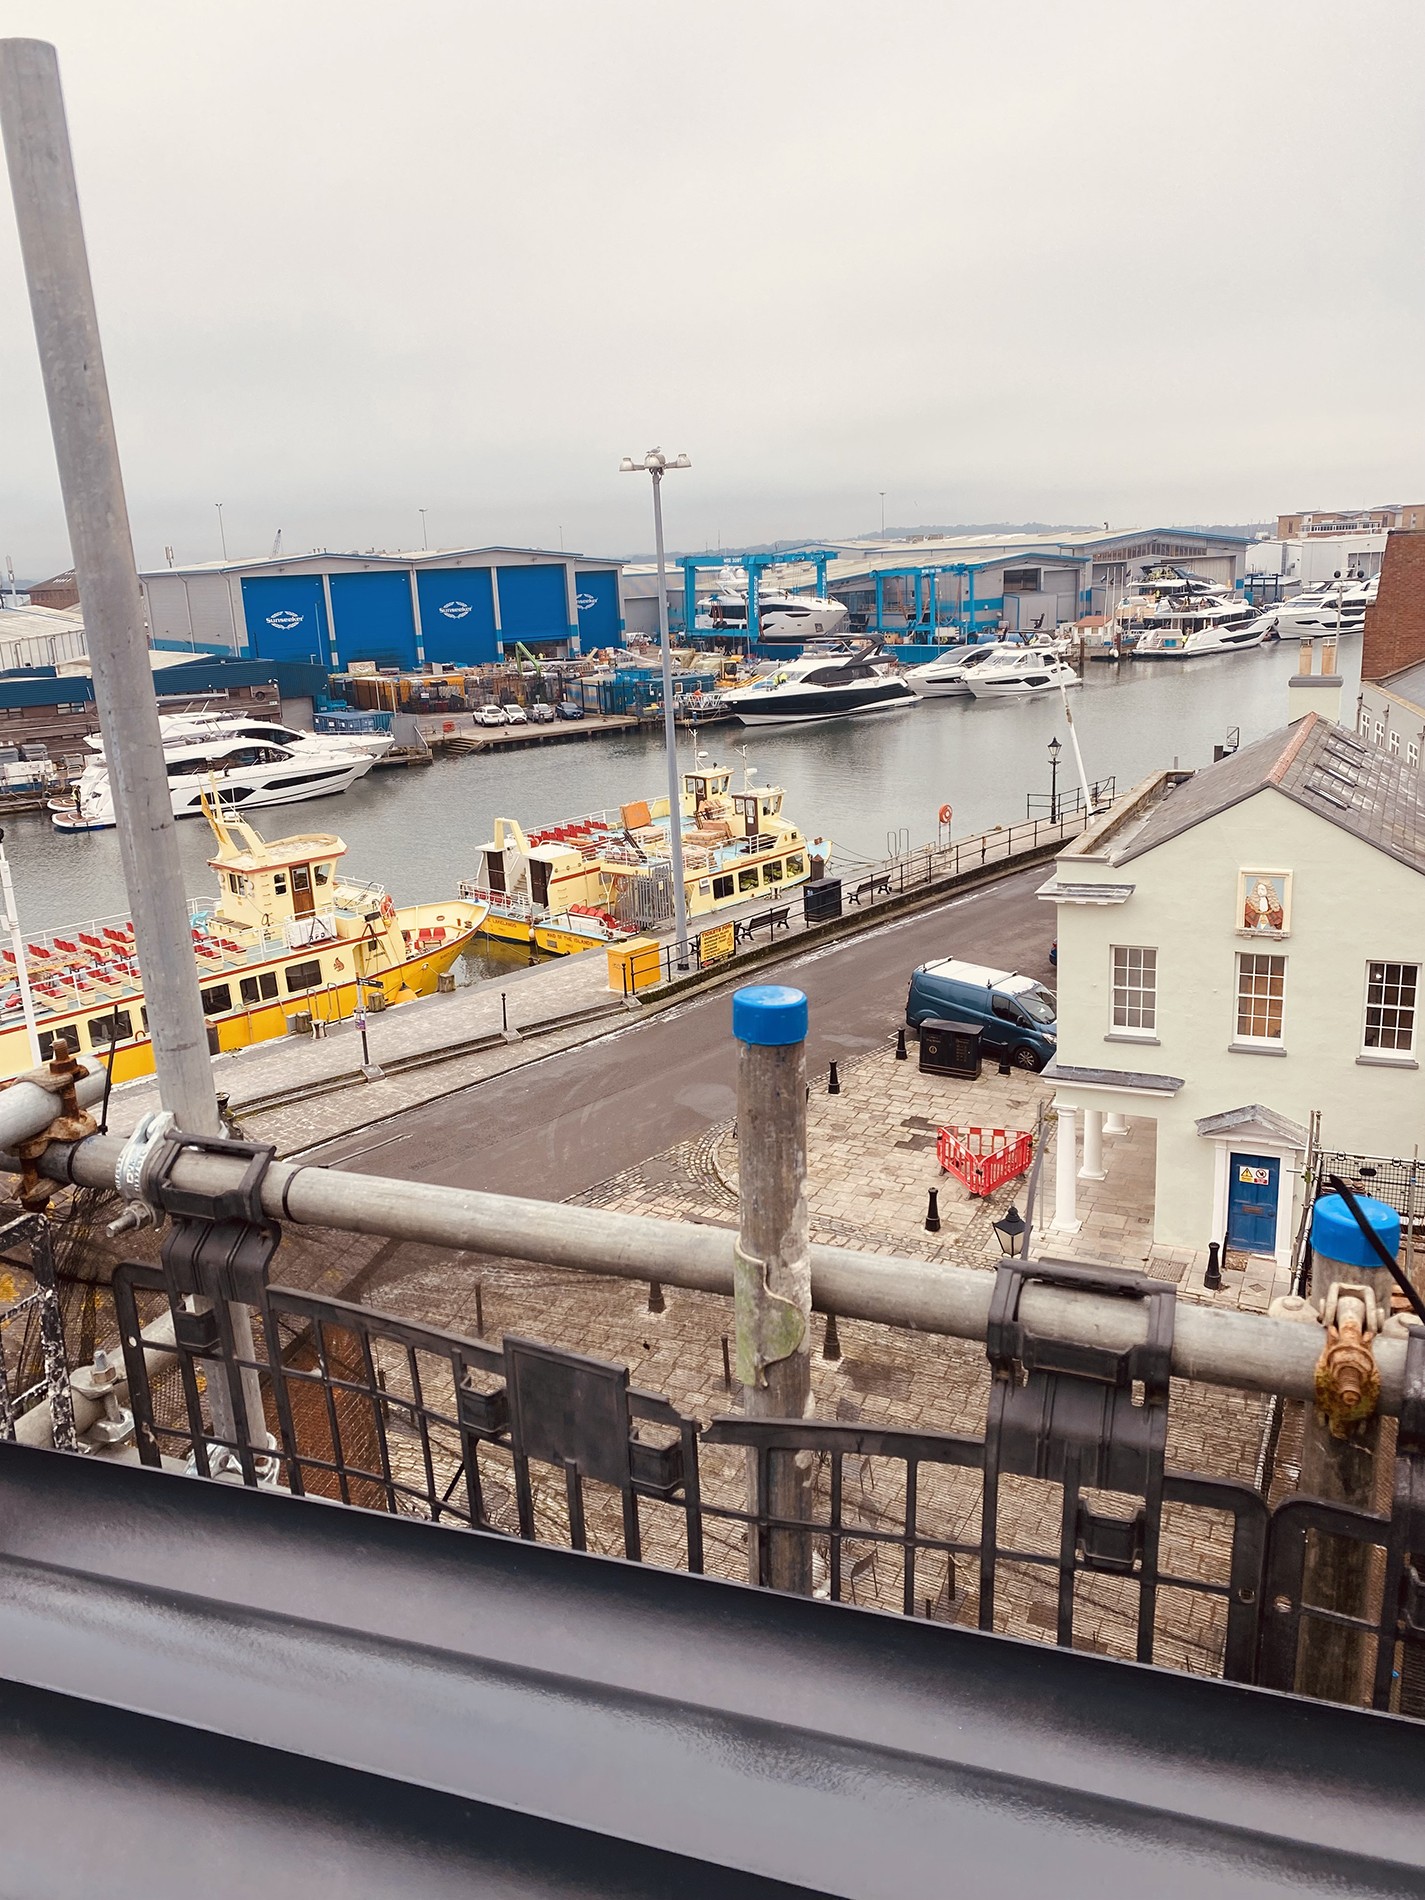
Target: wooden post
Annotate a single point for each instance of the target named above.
(772, 1270)
(1339, 1456)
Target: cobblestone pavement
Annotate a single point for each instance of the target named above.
(871, 1164)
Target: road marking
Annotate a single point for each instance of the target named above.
(356, 1153)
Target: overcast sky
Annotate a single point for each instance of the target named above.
(1069, 260)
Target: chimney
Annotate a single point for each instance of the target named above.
(1309, 691)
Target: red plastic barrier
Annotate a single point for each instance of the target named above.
(984, 1158)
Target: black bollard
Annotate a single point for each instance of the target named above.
(656, 1302)
(831, 1344)
(932, 1213)
(901, 1055)
(479, 1311)
(1004, 1066)
(726, 1366)
(833, 1082)
(1212, 1279)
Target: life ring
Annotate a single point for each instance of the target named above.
(947, 812)
(388, 909)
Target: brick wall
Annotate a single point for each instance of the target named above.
(1395, 624)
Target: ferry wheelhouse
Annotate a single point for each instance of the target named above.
(288, 932)
(588, 881)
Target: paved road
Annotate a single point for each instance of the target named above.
(558, 1126)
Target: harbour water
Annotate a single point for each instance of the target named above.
(861, 783)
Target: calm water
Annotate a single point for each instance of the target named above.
(857, 783)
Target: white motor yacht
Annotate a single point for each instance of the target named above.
(258, 729)
(783, 619)
(239, 771)
(1215, 636)
(808, 690)
(1325, 607)
(1023, 673)
(948, 674)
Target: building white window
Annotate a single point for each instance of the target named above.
(1363, 722)
(1393, 745)
(1380, 732)
(1135, 988)
(1412, 753)
(1261, 987)
(1391, 990)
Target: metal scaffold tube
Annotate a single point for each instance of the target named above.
(51, 230)
(72, 360)
(1247, 1351)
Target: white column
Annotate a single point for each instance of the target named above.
(1092, 1170)
(1115, 1124)
(1066, 1213)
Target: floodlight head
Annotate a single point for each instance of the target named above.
(681, 462)
(627, 466)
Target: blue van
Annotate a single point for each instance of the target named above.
(1014, 1014)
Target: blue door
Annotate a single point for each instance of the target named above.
(1252, 1188)
(596, 598)
(374, 618)
(458, 615)
(534, 605)
(286, 617)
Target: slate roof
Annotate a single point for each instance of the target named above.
(1321, 766)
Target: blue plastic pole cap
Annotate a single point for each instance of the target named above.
(769, 1015)
(1336, 1236)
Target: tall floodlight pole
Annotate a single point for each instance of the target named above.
(425, 543)
(656, 463)
(222, 531)
(66, 322)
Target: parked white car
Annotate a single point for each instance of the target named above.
(489, 715)
(514, 716)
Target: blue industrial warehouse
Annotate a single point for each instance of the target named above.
(462, 607)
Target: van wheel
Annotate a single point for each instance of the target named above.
(1024, 1057)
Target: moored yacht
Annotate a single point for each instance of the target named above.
(1027, 673)
(1334, 606)
(238, 771)
(948, 674)
(184, 728)
(808, 690)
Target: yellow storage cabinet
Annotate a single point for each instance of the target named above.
(634, 965)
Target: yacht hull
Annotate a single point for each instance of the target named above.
(813, 706)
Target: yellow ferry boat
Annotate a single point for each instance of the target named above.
(573, 886)
(288, 933)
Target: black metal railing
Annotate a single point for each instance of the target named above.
(1062, 1521)
(720, 939)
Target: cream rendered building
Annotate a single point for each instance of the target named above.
(1238, 947)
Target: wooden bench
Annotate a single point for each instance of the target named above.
(778, 919)
(873, 886)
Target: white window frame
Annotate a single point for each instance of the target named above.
(1412, 753)
(1377, 1051)
(1244, 1038)
(1144, 988)
(1392, 744)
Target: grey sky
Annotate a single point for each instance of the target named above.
(1108, 260)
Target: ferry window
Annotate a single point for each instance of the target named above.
(279, 883)
(104, 1030)
(722, 886)
(775, 871)
(301, 878)
(305, 976)
(47, 1037)
(217, 1000)
(253, 988)
(796, 865)
(324, 872)
(747, 880)
(234, 885)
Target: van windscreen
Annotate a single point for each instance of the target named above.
(1037, 1004)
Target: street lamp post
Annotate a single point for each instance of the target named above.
(1055, 748)
(424, 541)
(655, 464)
(883, 514)
(222, 532)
